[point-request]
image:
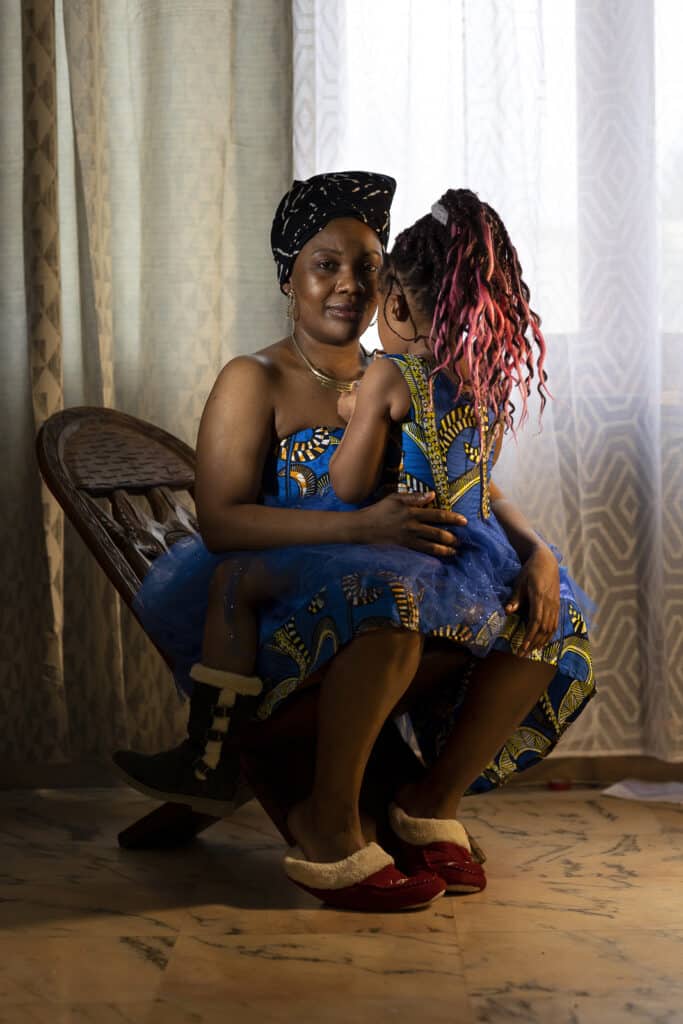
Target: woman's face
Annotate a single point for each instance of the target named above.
(334, 281)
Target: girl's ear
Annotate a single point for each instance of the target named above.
(399, 307)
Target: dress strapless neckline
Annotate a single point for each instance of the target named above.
(318, 429)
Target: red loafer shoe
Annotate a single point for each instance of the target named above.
(368, 880)
(438, 845)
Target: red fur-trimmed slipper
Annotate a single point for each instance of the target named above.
(438, 845)
(368, 880)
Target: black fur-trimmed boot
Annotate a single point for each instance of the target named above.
(203, 771)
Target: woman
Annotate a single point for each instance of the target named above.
(268, 431)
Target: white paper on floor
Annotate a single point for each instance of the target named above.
(635, 789)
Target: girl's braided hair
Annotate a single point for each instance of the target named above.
(462, 270)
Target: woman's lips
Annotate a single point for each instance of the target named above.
(345, 312)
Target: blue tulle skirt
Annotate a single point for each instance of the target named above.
(323, 596)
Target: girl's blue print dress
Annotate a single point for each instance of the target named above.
(327, 594)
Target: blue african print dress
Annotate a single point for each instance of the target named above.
(325, 595)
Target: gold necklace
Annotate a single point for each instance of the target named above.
(322, 378)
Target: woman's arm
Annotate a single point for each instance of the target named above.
(382, 397)
(235, 434)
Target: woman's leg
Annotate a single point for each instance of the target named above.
(364, 683)
(501, 692)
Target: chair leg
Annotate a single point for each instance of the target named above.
(165, 827)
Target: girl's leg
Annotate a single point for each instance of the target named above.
(501, 692)
(230, 639)
(203, 770)
(440, 659)
(364, 683)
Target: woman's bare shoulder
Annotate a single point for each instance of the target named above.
(255, 370)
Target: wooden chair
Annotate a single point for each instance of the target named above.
(127, 487)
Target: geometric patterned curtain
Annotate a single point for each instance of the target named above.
(566, 118)
(128, 280)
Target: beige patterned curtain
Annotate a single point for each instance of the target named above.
(143, 148)
(33, 713)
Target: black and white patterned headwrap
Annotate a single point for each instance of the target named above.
(310, 205)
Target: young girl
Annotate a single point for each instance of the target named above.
(454, 323)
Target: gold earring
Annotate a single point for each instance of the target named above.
(291, 305)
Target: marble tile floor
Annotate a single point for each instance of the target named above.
(582, 922)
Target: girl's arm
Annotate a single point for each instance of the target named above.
(519, 530)
(235, 435)
(382, 398)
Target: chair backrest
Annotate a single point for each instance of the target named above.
(126, 485)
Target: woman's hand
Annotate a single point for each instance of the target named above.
(407, 519)
(538, 587)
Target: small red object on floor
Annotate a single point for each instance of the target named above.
(559, 784)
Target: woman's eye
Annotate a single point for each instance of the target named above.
(327, 264)
(371, 268)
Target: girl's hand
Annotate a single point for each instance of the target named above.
(346, 403)
(538, 587)
(407, 519)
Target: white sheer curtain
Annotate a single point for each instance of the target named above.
(564, 115)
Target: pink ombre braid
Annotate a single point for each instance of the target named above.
(465, 273)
